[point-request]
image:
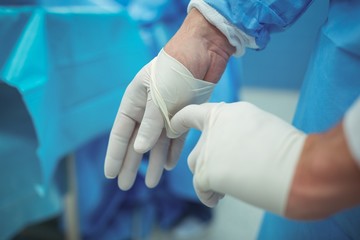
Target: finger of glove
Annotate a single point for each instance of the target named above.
(134, 100)
(157, 160)
(129, 169)
(150, 129)
(176, 147)
(191, 116)
(118, 145)
(207, 197)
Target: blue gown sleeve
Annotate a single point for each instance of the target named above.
(260, 18)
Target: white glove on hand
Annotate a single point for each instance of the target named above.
(243, 151)
(157, 92)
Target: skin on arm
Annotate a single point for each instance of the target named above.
(327, 177)
(209, 47)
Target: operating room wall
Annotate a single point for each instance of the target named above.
(283, 63)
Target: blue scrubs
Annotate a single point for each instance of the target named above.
(332, 83)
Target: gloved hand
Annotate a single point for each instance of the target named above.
(157, 92)
(243, 151)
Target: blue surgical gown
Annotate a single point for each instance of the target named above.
(331, 84)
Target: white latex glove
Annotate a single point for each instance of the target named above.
(157, 92)
(243, 151)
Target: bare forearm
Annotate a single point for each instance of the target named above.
(327, 178)
(211, 49)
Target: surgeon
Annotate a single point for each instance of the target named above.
(309, 171)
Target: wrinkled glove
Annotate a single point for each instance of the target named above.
(157, 92)
(243, 151)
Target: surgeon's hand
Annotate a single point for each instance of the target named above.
(165, 85)
(243, 151)
(158, 91)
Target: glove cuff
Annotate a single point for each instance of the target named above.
(172, 87)
(352, 129)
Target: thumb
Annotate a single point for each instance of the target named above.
(192, 116)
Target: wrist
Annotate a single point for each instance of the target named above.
(200, 47)
(236, 37)
(326, 178)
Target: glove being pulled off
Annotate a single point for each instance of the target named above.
(158, 91)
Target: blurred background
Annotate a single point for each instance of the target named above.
(64, 66)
